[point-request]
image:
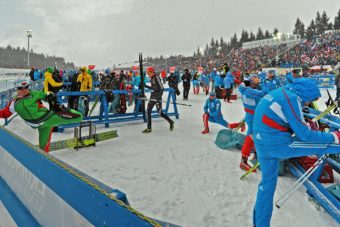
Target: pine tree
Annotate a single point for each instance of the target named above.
(299, 28)
(318, 23)
(234, 41)
(275, 32)
(206, 50)
(251, 36)
(259, 34)
(199, 54)
(324, 21)
(336, 25)
(311, 30)
(212, 43)
(244, 36)
(330, 26)
(267, 35)
(222, 42)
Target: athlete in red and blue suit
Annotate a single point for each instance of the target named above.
(278, 116)
(251, 96)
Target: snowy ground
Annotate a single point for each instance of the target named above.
(182, 177)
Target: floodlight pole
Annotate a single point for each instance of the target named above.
(29, 35)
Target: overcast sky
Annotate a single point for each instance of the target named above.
(104, 32)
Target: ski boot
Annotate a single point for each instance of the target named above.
(172, 125)
(148, 130)
(244, 164)
(205, 131)
(235, 125)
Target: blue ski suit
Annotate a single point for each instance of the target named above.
(136, 81)
(270, 85)
(205, 79)
(213, 109)
(250, 99)
(279, 115)
(228, 81)
(218, 81)
(212, 75)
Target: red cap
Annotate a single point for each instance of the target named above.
(150, 69)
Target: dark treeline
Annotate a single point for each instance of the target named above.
(221, 48)
(16, 57)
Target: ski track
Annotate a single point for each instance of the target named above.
(182, 177)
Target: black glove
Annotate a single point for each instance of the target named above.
(51, 97)
(52, 101)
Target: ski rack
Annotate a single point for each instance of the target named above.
(89, 140)
(315, 189)
(104, 117)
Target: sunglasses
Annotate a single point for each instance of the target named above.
(22, 88)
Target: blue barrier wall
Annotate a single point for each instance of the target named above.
(40, 190)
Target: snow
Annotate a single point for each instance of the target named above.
(182, 177)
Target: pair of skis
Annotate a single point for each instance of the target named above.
(84, 141)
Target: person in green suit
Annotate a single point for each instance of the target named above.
(28, 105)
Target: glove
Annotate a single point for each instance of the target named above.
(305, 109)
(51, 97)
(336, 136)
(313, 125)
(52, 101)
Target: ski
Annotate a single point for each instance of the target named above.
(324, 113)
(241, 123)
(155, 100)
(249, 171)
(93, 106)
(83, 141)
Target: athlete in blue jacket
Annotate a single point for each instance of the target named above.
(212, 113)
(271, 83)
(250, 98)
(278, 116)
(228, 85)
(212, 76)
(205, 81)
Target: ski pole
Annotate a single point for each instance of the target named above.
(155, 100)
(299, 182)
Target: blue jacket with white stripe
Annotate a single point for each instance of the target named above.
(279, 115)
(250, 99)
(270, 85)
